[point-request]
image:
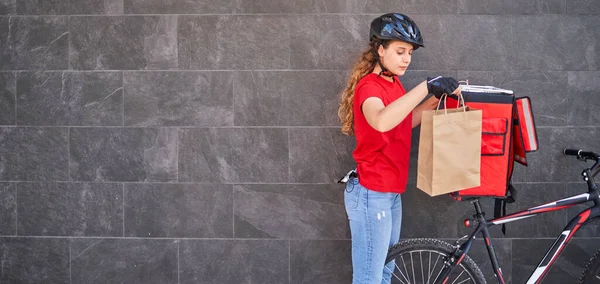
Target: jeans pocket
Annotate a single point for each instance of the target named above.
(352, 193)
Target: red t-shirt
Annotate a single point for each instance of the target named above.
(382, 158)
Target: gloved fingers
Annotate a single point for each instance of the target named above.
(457, 90)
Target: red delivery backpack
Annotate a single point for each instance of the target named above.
(508, 134)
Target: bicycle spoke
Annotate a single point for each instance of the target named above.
(439, 273)
(408, 273)
(429, 268)
(392, 272)
(434, 266)
(404, 264)
(413, 267)
(458, 277)
(422, 274)
(400, 270)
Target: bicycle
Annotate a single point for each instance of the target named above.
(456, 267)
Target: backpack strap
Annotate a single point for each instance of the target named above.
(500, 204)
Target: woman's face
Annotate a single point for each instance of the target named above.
(396, 57)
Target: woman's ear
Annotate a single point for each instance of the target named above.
(380, 50)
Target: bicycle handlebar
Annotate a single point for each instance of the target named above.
(585, 155)
(581, 154)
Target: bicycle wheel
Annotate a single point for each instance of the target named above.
(591, 273)
(421, 261)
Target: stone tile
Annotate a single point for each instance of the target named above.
(568, 267)
(233, 155)
(583, 7)
(245, 42)
(407, 7)
(247, 261)
(484, 77)
(178, 98)
(34, 260)
(486, 46)
(486, 7)
(70, 209)
(8, 7)
(296, 211)
(549, 164)
(33, 154)
(512, 7)
(424, 216)
(69, 7)
(583, 93)
(123, 154)
(124, 261)
(318, 261)
(320, 155)
(123, 43)
(315, 41)
(295, 98)
(70, 98)
(283, 7)
(8, 209)
(575, 34)
(178, 210)
(34, 43)
(345, 7)
(549, 92)
(7, 56)
(291, 7)
(178, 7)
(8, 94)
(413, 167)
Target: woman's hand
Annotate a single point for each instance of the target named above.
(443, 85)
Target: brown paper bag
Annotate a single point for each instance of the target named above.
(449, 150)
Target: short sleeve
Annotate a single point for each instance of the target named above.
(367, 90)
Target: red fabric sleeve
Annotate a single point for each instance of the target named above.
(367, 90)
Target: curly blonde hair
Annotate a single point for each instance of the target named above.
(364, 65)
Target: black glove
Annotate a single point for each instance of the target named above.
(440, 85)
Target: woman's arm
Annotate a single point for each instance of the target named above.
(428, 104)
(383, 118)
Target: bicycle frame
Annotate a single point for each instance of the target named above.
(552, 254)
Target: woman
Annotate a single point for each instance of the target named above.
(378, 111)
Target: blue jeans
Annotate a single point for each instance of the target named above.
(375, 220)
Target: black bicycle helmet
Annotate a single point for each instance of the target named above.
(396, 26)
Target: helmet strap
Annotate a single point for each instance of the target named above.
(384, 70)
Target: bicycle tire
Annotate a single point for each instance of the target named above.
(591, 272)
(411, 246)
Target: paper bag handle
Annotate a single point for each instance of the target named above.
(444, 97)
